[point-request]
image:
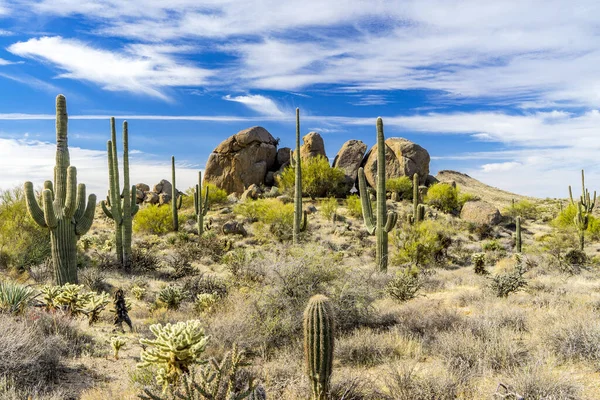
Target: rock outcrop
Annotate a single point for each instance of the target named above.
(242, 160)
(313, 146)
(349, 159)
(480, 212)
(402, 158)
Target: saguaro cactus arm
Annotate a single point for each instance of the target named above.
(33, 206)
(365, 201)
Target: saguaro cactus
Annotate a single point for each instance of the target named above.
(176, 201)
(201, 206)
(296, 163)
(584, 210)
(518, 234)
(385, 221)
(120, 210)
(319, 333)
(63, 209)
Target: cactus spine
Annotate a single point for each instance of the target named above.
(296, 163)
(63, 209)
(200, 206)
(584, 209)
(319, 331)
(518, 234)
(120, 210)
(385, 221)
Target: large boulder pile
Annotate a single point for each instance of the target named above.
(242, 160)
(402, 158)
(161, 193)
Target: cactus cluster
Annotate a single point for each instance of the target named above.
(120, 208)
(200, 205)
(296, 163)
(63, 210)
(585, 205)
(72, 299)
(384, 222)
(319, 331)
(174, 350)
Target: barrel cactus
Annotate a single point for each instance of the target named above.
(319, 331)
(63, 209)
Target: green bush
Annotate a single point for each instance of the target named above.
(14, 297)
(154, 219)
(23, 243)
(401, 185)
(524, 209)
(329, 207)
(276, 217)
(354, 206)
(504, 284)
(422, 245)
(319, 179)
(443, 196)
(215, 196)
(405, 285)
(565, 221)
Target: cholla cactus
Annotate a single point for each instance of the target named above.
(95, 304)
(318, 344)
(139, 292)
(206, 302)
(171, 297)
(478, 260)
(72, 298)
(174, 350)
(117, 344)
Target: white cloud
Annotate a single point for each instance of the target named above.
(258, 103)
(139, 68)
(502, 167)
(34, 161)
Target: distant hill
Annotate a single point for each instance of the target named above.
(500, 198)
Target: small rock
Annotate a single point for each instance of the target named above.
(311, 209)
(285, 199)
(253, 192)
(233, 228)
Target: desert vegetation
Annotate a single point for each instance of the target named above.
(303, 291)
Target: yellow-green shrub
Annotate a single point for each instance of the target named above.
(154, 219)
(319, 179)
(329, 207)
(422, 245)
(277, 217)
(401, 185)
(354, 206)
(523, 209)
(442, 196)
(215, 196)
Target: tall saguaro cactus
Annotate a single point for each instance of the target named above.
(120, 210)
(63, 210)
(176, 201)
(319, 331)
(296, 163)
(584, 210)
(385, 221)
(200, 205)
(518, 234)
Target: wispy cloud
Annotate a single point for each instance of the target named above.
(371, 100)
(258, 103)
(137, 68)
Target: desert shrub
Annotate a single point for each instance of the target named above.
(478, 260)
(442, 196)
(522, 208)
(465, 197)
(23, 243)
(14, 297)
(506, 283)
(492, 245)
(174, 350)
(154, 219)
(406, 383)
(424, 244)
(578, 340)
(179, 264)
(556, 246)
(144, 260)
(276, 217)
(401, 185)
(205, 284)
(365, 347)
(538, 382)
(171, 297)
(576, 257)
(94, 280)
(425, 320)
(241, 264)
(319, 179)
(482, 231)
(329, 207)
(354, 206)
(405, 285)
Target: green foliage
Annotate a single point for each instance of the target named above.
(329, 207)
(23, 243)
(277, 217)
(15, 297)
(171, 297)
(353, 205)
(174, 350)
(215, 196)
(153, 219)
(205, 302)
(94, 305)
(524, 209)
(478, 260)
(492, 245)
(217, 380)
(319, 179)
(72, 299)
(421, 245)
(405, 285)
(319, 332)
(443, 196)
(401, 185)
(465, 197)
(504, 284)
(138, 292)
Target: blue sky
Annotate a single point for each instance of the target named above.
(507, 92)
